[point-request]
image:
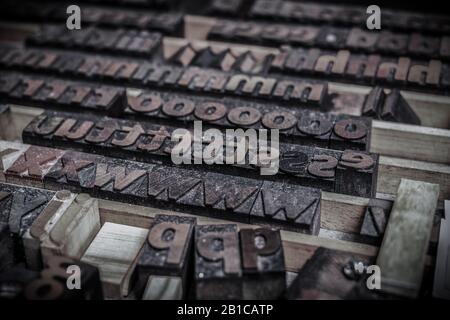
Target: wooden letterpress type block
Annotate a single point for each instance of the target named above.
(356, 174)
(107, 99)
(291, 206)
(396, 109)
(350, 133)
(390, 107)
(374, 103)
(74, 171)
(315, 128)
(402, 255)
(323, 166)
(68, 64)
(52, 283)
(375, 219)
(20, 206)
(65, 228)
(167, 250)
(110, 178)
(301, 166)
(229, 196)
(330, 274)
(31, 167)
(262, 264)
(9, 152)
(7, 84)
(218, 272)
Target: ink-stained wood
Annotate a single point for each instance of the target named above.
(397, 43)
(263, 265)
(351, 209)
(9, 153)
(90, 67)
(135, 43)
(32, 165)
(20, 206)
(167, 22)
(218, 269)
(342, 65)
(61, 94)
(114, 251)
(167, 251)
(121, 65)
(333, 14)
(406, 238)
(278, 203)
(348, 172)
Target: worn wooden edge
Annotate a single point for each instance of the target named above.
(391, 170)
(410, 142)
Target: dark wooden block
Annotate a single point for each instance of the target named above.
(32, 165)
(375, 220)
(294, 11)
(96, 15)
(357, 173)
(62, 95)
(353, 133)
(218, 272)
(262, 264)
(7, 252)
(14, 281)
(309, 92)
(167, 250)
(390, 107)
(286, 205)
(19, 206)
(136, 43)
(303, 165)
(168, 187)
